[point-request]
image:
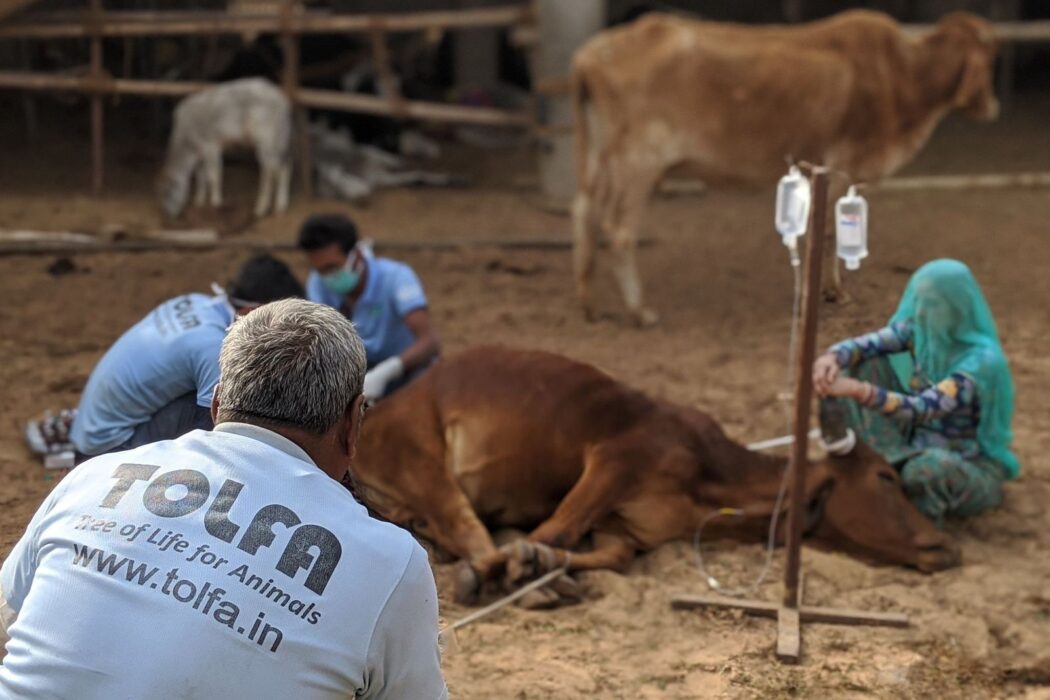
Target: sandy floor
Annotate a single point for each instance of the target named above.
(722, 284)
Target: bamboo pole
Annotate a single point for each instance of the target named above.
(433, 111)
(385, 71)
(323, 99)
(290, 51)
(65, 25)
(807, 343)
(97, 147)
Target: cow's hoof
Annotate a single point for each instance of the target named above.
(527, 560)
(646, 318)
(540, 599)
(561, 592)
(834, 295)
(468, 585)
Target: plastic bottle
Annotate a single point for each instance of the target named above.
(792, 212)
(851, 228)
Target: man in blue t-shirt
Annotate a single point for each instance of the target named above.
(155, 383)
(382, 297)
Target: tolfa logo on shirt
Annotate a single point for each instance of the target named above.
(259, 532)
(185, 315)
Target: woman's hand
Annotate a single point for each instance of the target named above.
(848, 388)
(825, 372)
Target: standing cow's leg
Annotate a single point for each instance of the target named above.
(200, 185)
(585, 234)
(284, 181)
(213, 172)
(635, 192)
(267, 177)
(833, 288)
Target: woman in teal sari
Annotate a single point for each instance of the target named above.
(932, 393)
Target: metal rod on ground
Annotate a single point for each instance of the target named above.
(505, 601)
(70, 243)
(96, 23)
(804, 380)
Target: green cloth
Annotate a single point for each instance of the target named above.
(940, 482)
(955, 332)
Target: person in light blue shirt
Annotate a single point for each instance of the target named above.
(228, 563)
(382, 297)
(156, 382)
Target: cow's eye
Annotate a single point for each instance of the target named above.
(887, 477)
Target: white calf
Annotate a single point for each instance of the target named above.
(250, 111)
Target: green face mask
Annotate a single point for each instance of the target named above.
(342, 281)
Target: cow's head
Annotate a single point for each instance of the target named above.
(972, 39)
(864, 507)
(173, 191)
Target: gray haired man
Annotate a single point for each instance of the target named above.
(232, 563)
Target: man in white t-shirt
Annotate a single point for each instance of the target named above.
(231, 563)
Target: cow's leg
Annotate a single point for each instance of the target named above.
(525, 560)
(284, 181)
(833, 287)
(200, 186)
(213, 171)
(267, 178)
(635, 194)
(585, 234)
(605, 480)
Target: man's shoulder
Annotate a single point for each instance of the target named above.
(394, 269)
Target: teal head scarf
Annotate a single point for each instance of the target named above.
(954, 332)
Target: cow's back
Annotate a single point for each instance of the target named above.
(511, 428)
(734, 100)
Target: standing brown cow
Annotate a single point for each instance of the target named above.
(520, 439)
(732, 102)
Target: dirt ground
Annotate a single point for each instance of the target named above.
(723, 286)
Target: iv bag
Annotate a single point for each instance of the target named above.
(793, 199)
(851, 228)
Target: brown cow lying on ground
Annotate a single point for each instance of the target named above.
(731, 102)
(514, 438)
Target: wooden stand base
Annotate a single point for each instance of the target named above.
(790, 619)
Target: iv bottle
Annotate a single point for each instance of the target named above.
(792, 208)
(851, 228)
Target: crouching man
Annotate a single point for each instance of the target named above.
(229, 563)
(383, 298)
(155, 382)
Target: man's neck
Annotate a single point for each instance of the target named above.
(321, 449)
(352, 297)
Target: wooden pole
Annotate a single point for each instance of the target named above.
(322, 99)
(388, 85)
(563, 28)
(56, 25)
(290, 49)
(807, 343)
(791, 613)
(97, 164)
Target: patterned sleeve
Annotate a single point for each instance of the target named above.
(954, 392)
(896, 337)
